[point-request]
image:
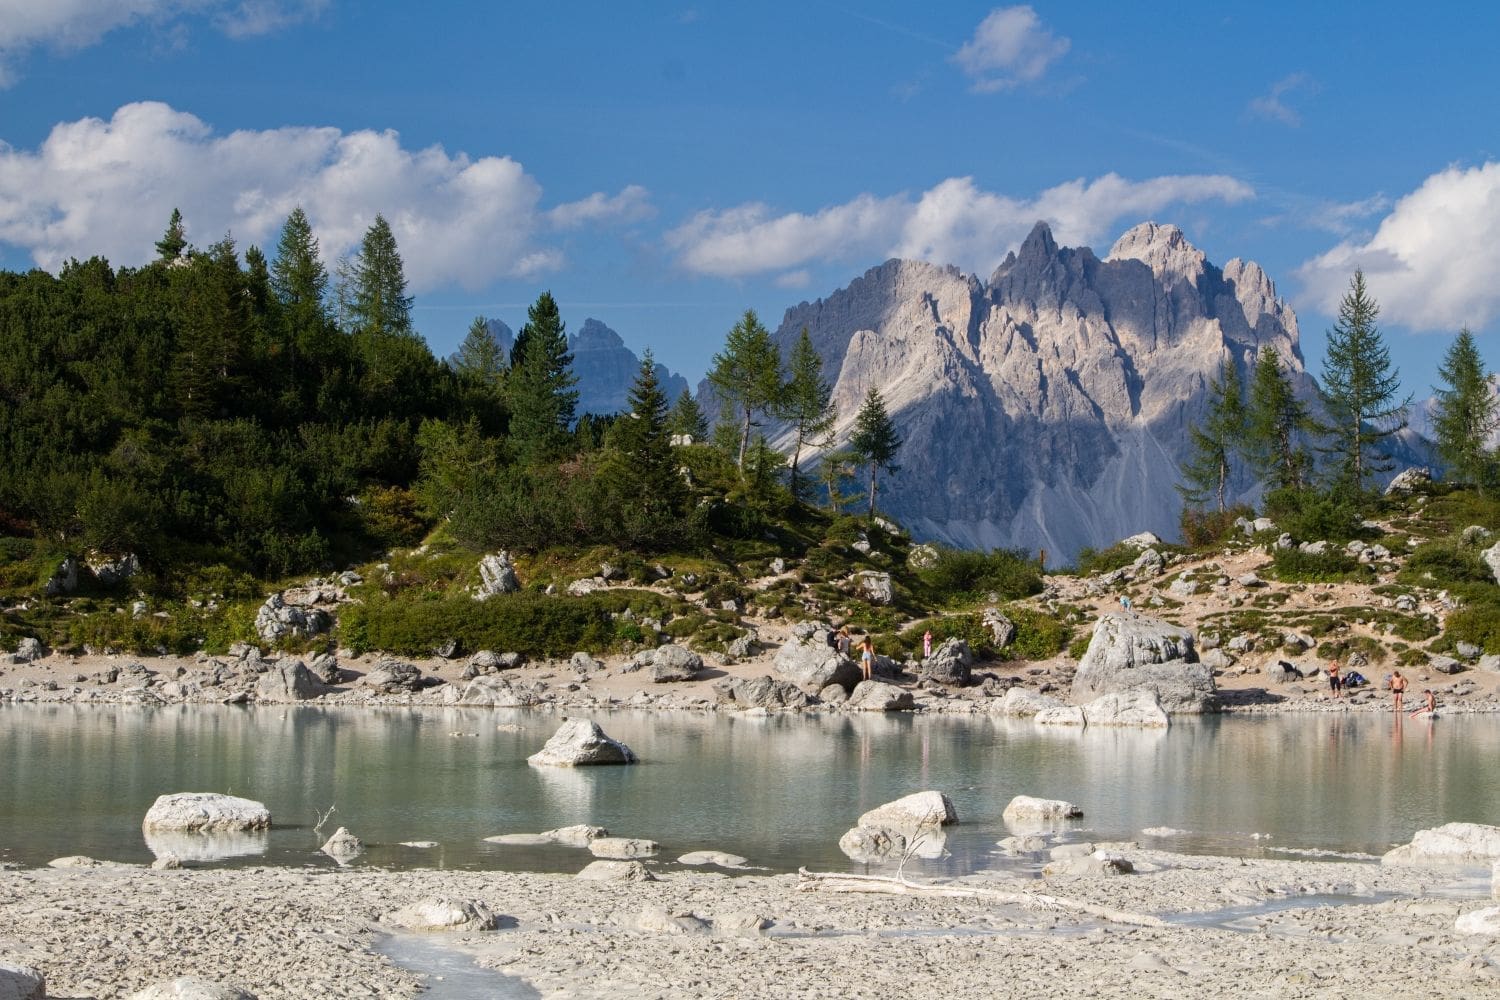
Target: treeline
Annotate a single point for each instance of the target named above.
(260, 413)
(1315, 466)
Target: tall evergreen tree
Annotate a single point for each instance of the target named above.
(875, 441)
(687, 419)
(807, 403)
(835, 470)
(213, 327)
(174, 241)
(298, 275)
(746, 375)
(541, 385)
(381, 305)
(1359, 387)
(480, 357)
(1216, 441)
(1275, 423)
(639, 476)
(1466, 412)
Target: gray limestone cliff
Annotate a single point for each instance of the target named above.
(1048, 407)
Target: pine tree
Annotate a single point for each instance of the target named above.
(173, 241)
(480, 357)
(747, 375)
(687, 419)
(639, 475)
(834, 470)
(1466, 412)
(298, 275)
(1359, 387)
(380, 304)
(542, 397)
(1274, 425)
(1216, 441)
(807, 403)
(875, 441)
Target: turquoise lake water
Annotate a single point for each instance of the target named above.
(778, 790)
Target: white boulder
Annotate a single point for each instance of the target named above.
(1027, 807)
(581, 743)
(206, 811)
(21, 982)
(1447, 844)
(443, 913)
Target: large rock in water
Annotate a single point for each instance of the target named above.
(1128, 652)
(1448, 844)
(808, 661)
(1137, 707)
(289, 680)
(1050, 403)
(580, 743)
(910, 823)
(206, 811)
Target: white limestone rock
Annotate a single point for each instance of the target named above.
(443, 913)
(206, 812)
(497, 575)
(1485, 921)
(1136, 707)
(21, 982)
(581, 743)
(1128, 652)
(343, 846)
(1022, 703)
(809, 662)
(878, 696)
(623, 848)
(616, 871)
(190, 988)
(1028, 807)
(1448, 844)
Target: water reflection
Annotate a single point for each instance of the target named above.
(205, 847)
(778, 790)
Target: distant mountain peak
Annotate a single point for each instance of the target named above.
(595, 336)
(1163, 248)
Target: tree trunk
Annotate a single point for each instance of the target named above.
(744, 439)
(872, 490)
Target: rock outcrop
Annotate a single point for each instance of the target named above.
(949, 664)
(1448, 844)
(443, 913)
(21, 982)
(581, 743)
(497, 575)
(286, 681)
(761, 692)
(808, 661)
(907, 824)
(1128, 652)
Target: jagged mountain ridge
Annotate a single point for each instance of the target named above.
(1048, 407)
(604, 366)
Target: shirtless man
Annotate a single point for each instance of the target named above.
(1429, 705)
(1398, 688)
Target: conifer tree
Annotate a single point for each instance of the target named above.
(380, 304)
(639, 475)
(1275, 422)
(746, 375)
(1466, 412)
(540, 386)
(807, 403)
(835, 469)
(480, 357)
(173, 241)
(1359, 388)
(875, 441)
(687, 419)
(1216, 441)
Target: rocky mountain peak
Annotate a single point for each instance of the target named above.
(1164, 249)
(595, 336)
(606, 369)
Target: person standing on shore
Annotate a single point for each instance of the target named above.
(867, 658)
(1335, 682)
(1398, 688)
(927, 644)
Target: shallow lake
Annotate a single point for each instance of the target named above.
(778, 790)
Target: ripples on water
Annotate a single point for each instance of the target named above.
(778, 790)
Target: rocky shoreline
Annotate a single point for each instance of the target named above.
(1213, 927)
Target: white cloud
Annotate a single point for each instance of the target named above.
(1271, 106)
(955, 222)
(632, 204)
(68, 25)
(800, 278)
(107, 187)
(1429, 264)
(1010, 47)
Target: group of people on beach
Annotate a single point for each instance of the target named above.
(1338, 682)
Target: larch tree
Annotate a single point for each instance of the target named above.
(1360, 388)
(875, 441)
(807, 404)
(687, 419)
(300, 283)
(541, 384)
(1275, 423)
(746, 375)
(380, 304)
(480, 357)
(1216, 441)
(1466, 413)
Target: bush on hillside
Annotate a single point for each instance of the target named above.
(1333, 566)
(1203, 529)
(963, 575)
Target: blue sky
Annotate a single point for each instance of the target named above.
(663, 167)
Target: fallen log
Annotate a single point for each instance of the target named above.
(901, 886)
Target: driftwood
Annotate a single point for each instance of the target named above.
(902, 886)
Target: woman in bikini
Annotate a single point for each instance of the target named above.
(867, 658)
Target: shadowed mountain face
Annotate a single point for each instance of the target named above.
(1047, 408)
(606, 369)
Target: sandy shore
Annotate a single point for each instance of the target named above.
(1231, 928)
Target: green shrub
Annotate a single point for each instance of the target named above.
(1334, 565)
(1092, 561)
(1080, 645)
(1477, 623)
(533, 624)
(961, 576)
(144, 636)
(1444, 564)
(1039, 636)
(1312, 515)
(969, 627)
(1203, 529)
(1340, 649)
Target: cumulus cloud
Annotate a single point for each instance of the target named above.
(1272, 107)
(632, 204)
(1429, 263)
(1010, 47)
(955, 222)
(107, 187)
(69, 25)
